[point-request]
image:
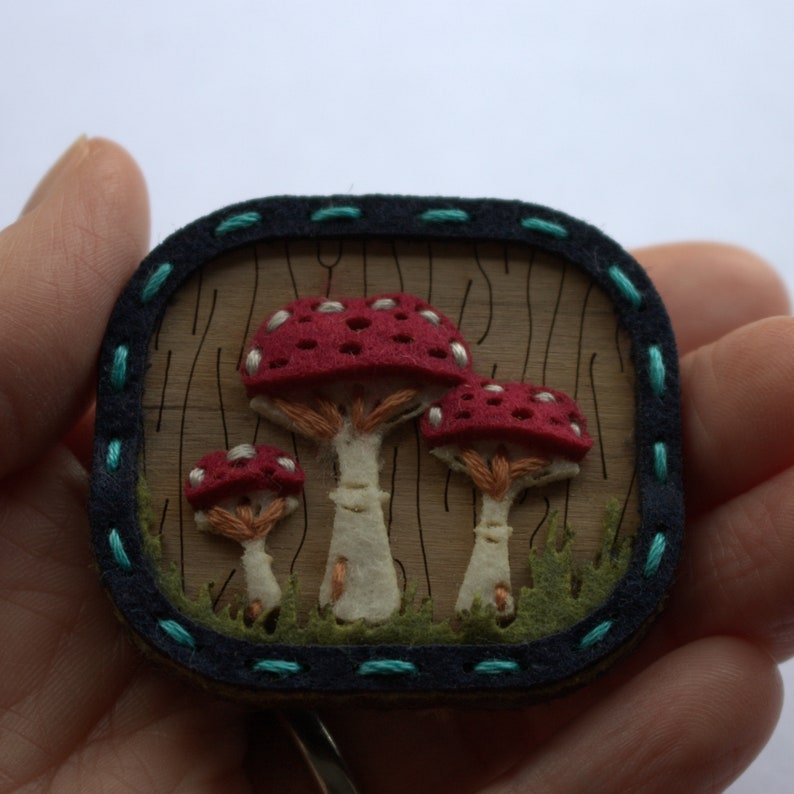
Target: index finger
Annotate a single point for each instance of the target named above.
(710, 289)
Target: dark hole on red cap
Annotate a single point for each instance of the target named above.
(350, 348)
(358, 323)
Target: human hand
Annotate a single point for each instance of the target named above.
(81, 711)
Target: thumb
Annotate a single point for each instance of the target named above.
(62, 265)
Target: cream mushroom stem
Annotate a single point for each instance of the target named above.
(249, 522)
(487, 576)
(360, 580)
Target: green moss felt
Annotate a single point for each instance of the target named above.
(563, 592)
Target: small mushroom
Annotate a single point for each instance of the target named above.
(241, 494)
(506, 437)
(344, 373)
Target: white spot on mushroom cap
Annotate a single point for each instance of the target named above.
(384, 303)
(277, 320)
(544, 397)
(576, 429)
(241, 452)
(252, 361)
(286, 463)
(196, 477)
(434, 416)
(430, 316)
(459, 354)
(493, 387)
(330, 307)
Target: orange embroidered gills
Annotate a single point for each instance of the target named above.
(347, 372)
(506, 437)
(241, 494)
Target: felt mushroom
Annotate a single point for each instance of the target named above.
(506, 437)
(344, 373)
(241, 494)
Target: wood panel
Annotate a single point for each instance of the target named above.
(526, 317)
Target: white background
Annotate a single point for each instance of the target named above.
(671, 122)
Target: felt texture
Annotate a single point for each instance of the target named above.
(220, 476)
(544, 421)
(308, 366)
(312, 341)
(489, 566)
(439, 673)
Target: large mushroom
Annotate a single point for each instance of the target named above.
(241, 494)
(506, 437)
(345, 372)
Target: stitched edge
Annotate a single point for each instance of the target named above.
(594, 630)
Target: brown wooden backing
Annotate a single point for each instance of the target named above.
(526, 316)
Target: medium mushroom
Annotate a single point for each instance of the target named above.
(241, 494)
(506, 437)
(345, 372)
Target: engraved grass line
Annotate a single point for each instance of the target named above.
(397, 265)
(180, 456)
(162, 392)
(553, 322)
(251, 306)
(528, 299)
(288, 257)
(581, 339)
(490, 295)
(305, 507)
(597, 416)
(419, 455)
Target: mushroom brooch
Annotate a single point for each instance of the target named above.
(506, 437)
(388, 450)
(345, 373)
(241, 494)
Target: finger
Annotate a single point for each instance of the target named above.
(692, 721)
(62, 265)
(735, 575)
(710, 289)
(66, 658)
(737, 424)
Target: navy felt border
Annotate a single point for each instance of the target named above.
(412, 673)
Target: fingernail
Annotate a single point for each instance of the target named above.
(69, 160)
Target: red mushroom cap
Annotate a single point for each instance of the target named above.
(243, 469)
(544, 420)
(314, 340)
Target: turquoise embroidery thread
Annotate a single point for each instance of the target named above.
(118, 372)
(445, 216)
(546, 227)
(596, 635)
(155, 281)
(656, 370)
(387, 667)
(497, 667)
(277, 667)
(113, 457)
(118, 551)
(660, 461)
(236, 222)
(336, 213)
(626, 287)
(655, 554)
(178, 633)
